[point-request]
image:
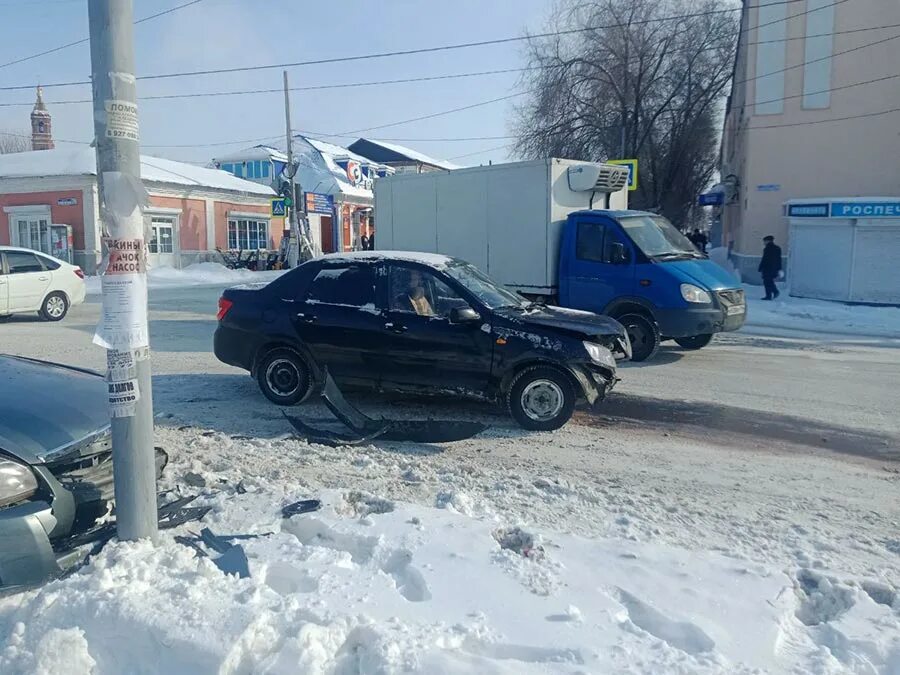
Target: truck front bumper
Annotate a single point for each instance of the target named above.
(675, 323)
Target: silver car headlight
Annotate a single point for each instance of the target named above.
(600, 354)
(696, 294)
(17, 482)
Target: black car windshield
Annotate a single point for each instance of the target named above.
(658, 238)
(481, 286)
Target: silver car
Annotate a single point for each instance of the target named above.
(56, 475)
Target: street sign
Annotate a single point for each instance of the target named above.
(632, 165)
(278, 207)
(317, 202)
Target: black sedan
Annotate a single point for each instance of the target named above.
(422, 323)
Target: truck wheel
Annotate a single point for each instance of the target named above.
(694, 341)
(283, 377)
(541, 398)
(643, 333)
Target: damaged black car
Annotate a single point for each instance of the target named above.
(56, 477)
(421, 323)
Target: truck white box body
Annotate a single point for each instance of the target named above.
(506, 219)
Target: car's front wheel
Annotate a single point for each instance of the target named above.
(55, 307)
(283, 377)
(541, 398)
(694, 341)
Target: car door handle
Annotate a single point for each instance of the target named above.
(308, 318)
(43, 278)
(395, 327)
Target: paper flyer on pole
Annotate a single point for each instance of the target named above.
(123, 324)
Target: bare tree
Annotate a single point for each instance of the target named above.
(639, 78)
(14, 142)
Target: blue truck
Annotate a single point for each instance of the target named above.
(560, 230)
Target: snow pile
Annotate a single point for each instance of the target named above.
(407, 588)
(819, 316)
(200, 274)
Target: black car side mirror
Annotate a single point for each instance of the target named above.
(618, 254)
(464, 315)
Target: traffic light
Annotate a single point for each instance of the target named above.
(288, 193)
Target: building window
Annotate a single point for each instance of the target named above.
(265, 170)
(227, 167)
(162, 239)
(247, 234)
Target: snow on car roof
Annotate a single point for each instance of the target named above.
(83, 162)
(432, 259)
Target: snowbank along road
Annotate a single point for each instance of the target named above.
(729, 510)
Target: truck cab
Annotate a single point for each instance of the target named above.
(638, 268)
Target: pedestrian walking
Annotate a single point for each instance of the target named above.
(770, 267)
(699, 239)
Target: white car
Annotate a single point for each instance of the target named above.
(31, 281)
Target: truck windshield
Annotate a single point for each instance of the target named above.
(481, 286)
(658, 238)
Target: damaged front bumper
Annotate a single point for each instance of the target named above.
(38, 537)
(595, 382)
(27, 556)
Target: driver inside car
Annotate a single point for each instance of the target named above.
(415, 295)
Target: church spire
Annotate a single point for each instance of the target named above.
(41, 124)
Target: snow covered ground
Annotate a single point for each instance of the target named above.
(200, 274)
(820, 316)
(635, 555)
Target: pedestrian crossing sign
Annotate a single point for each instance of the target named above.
(278, 207)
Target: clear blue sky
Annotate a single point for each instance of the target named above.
(229, 33)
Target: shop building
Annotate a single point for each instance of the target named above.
(398, 157)
(812, 113)
(49, 202)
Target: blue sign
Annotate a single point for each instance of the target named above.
(768, 187)
(808, 210)
(317, 202)
(865, 209)
(711, 199)
(278, 207)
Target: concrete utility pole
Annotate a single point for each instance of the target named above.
(291, 171)
(301, 243)
(123, 325)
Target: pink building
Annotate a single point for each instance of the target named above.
(192, 210)
(814, 111)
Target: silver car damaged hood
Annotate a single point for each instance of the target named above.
(48, 411)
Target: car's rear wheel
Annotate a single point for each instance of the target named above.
(55, 307)
(694, 341)
(643, 334)
(283, 377)
(541, 398)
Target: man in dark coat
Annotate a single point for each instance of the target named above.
(770, 266)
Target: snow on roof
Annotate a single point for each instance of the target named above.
(338, 152)
(431, 259)
(82, 161)
(318, 171)
(413, 154)
(256, 152)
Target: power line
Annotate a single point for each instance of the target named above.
(430, 78)
(84, 40)
(437, 114)
(822, 58)
(481, 152)
(426, 50)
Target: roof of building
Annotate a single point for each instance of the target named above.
(82, 161)
(396, 153)
(254, 153)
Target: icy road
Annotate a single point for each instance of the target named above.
(727, 510)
